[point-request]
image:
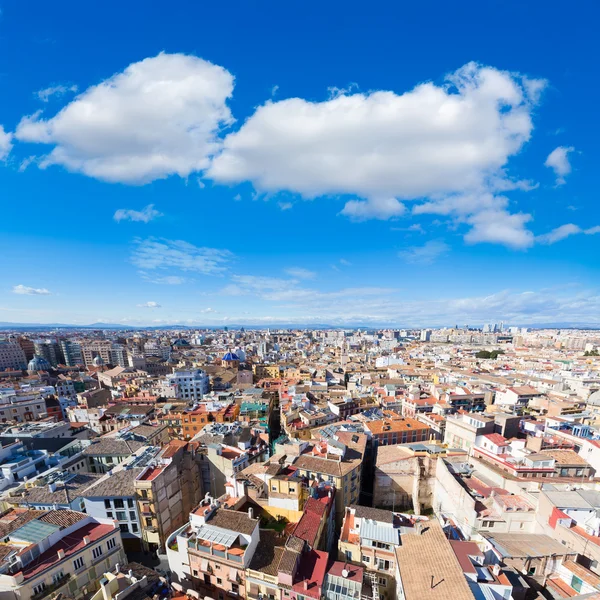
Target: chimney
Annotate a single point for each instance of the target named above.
(496, 570)
(61, 554)
(306, 584)
(130, 573)
(251, 513)
(52, 488)
(117, 567)
(86, 540)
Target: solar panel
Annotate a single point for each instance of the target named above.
(217, 536)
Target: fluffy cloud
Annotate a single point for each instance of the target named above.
(30, 291)
(150, 304)
(152, 254)
(55, 90)
(374, 208)
(5, 143)
(142, 216)
(425, 254)
(558, 161)
(565, 231)
(160, 116)
(300, 273)
(431, 142)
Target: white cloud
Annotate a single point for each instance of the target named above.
(5, 143)
(26, 162)
(558, 161)
(373, 208)
(150, 304)
(55, 90)
(565, 231)
(208, 310)
(30, 291)
(300, 273)
(153, 253)
(425, 254)
(285, 205)
(345, 262)
(500, 227)
(428, 143)
(237, 197)
(147, 214)
(160, 116)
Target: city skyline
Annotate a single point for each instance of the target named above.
(408, 168)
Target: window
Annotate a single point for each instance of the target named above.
(57, 576)
(97, 552)
(134, 527)
(144, 494)
(132, 516)
(366, 559)
(107, 504)
(111, 543)
(148, 521)
(382, 564)
(531, 571)
(219, 581)
(195, 573)
(109, 515)
(124, 527)
(121, 515)
(78, 563)
(382, 581)
(130, 503)
(40, 587)
(119, 503)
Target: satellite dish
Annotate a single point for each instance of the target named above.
(345, 573)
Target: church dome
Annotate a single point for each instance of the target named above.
(594, 398)
(230, 356)
(38, 363)
(98, 361)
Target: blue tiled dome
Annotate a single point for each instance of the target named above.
(231, 356)
(38, 363)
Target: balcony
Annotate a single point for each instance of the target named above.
(52, 588)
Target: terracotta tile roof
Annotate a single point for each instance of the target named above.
(429, 555)
(234, 521)
(17, 518)
(268, 553)
(62, 518)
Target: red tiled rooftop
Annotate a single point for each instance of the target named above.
(311, 573)
(71, 544)
(308, 527)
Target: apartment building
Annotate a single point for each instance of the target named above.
(167, 489)
(211, 552)
(188, 385)
(368, 538)
(336, 461)
(11, 356)
(58, 552)
(387, 431)
(462, 429)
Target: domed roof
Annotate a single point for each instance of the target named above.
(231, 356)
(38, 363)
(98, 361)
(594, 398)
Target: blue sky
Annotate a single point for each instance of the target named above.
(271, 162)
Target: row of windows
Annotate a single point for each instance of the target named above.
(78, 564)
(118, 503)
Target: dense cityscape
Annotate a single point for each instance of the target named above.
(299, 300)
(338, 463)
